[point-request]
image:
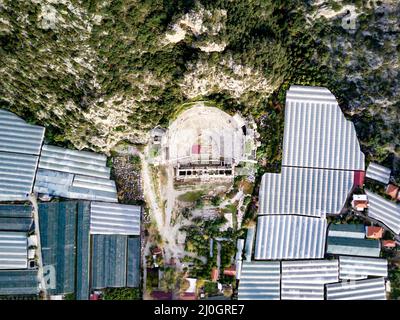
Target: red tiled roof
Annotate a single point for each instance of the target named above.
(359, 177)
(375, 232)
(389, 243)
(196, 149)
(392, 191)
(362, 204)
(214, 274)
(231, 271)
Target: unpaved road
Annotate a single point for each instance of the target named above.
(168, 232)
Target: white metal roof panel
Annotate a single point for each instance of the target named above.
(347, 230)
(384, 211)
(68, 185)
(355, 268)
(305, 279)
(369, 289)
(17, 136)
(73, 161)
(259, 281)
(378, 173)
(304, 191)
(249, 242)
(239, 249)
(17, 173)
(316, 132)
(13, 250)
(290, 237)
(112, 218)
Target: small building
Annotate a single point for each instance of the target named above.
(31, 254)
(360, 202)
(156, 134)
(392, 191)
(353, 247)
(214, 274)
(359, 177)
(389, 243)
(378, 173)
(231, 271)
(347, 231)
(32, 240)
(373, 232)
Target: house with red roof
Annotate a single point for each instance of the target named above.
(374, 232)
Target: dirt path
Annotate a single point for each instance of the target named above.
(168, 233)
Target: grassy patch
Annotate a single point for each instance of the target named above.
(191, 196)
(230, 208)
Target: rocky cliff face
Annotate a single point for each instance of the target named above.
(101, 72)
(363, 49)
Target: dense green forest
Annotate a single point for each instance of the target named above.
(99, 72)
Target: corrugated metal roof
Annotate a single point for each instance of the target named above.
(109, 254)
(113, 218)
(259, 281)
(249, 242)
(20, 145)
(13, 250)
(75, 175)
(239, 249)
(15, 217)
(83, 251)
(384, 211)
(133, 267)
(378, 173)
(73, 161)
(68, 185)
(347, 230)
(290, 237)
(17, 136)
(17, 173)
(355, 268)
(305, 279)
(310, 192)
(16, 210)
(353, 247)
(369, 289)
(58, 242)
(316, 132)
(19, 282)
(15, 224)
